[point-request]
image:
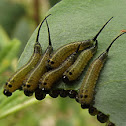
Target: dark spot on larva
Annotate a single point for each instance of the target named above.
(28, 86)
(86, 90)
(65, 79)
(85, 106)
(81, 96)
(85, 96)
(76, 98)
(48, 61)
(9, 85)
(92, 111)
(45, 83)
(7, 93)
(52, 62)
(6, 83)
(70, 73)
(28, 93)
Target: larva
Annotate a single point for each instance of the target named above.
(86, 91)
(75, 70)
(63, 52)
(16, 80)
(31, 81)
(50, 78)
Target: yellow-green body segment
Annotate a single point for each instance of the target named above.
(50, 78)
(16, 80)
(75, 70)
(31, 81)
(86, 91)
(63, 52)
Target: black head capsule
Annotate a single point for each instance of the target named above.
(102, 117)
(110, 124)
(63, 93)
(7, 93)
(28, 93)
(39, 94)
(92, 111)
(72, 93)
(54, 93)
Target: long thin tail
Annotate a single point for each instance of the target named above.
(48, 33)
(102, 29)
(114, 41)
(40, 27)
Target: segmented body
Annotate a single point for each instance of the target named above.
(75, 70)
(50, 78)
(86, 92)
(31, 81)
(17, 78)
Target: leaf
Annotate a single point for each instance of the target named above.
(8, 53)
(10, 105)
(4, 39)
(76, 20)
(10, 13)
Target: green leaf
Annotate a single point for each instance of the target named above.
(14, 103)
(4, 39)
(8, 53)
(10, 13)
(76, 20)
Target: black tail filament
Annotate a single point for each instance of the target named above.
(40, 27)
(101, 29)
(114, 41)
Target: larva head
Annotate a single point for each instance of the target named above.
(63, 93)
(39, 94)
(110, 124)
(102, 117)
(72, 93)
(28, 88)
(92, 111)
(10, 87)
(54, 93)
(85, 98)
(94, 39)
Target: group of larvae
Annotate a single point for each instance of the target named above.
(41, 74)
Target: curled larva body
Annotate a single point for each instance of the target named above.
(50, 78)
(30, 83)
(63, 52)
(75, 70)
(87, 89)
(16, 80)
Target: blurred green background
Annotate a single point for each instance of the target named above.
(18, 19)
